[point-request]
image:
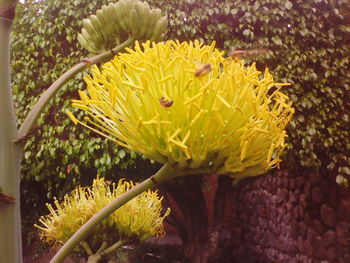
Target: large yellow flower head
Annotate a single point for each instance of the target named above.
(138, 219)
(187, 105)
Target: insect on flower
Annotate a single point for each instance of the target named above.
(165, 103)
(203, 70)
(249, 53)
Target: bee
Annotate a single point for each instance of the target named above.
(203, 70)
(165, 103)
(249, 53)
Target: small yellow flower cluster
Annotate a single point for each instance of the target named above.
(187, 105)
(138, 219)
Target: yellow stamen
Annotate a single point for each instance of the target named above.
(193, 98)
(132, 85)
(71, 116)
(181, 145)
(196, 117)
(165, 79)
(270, 152)
(244, 150)
(174, 134)
(223, 101)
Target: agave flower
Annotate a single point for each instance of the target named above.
(187, 105)
(137, 220)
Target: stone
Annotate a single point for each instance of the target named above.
(274, 199)
(267, 239)
(291, 246)
(281, 212)
(318, 196)
(254, 220)
(263, 222)
(343, 191)
(299, 181)
(333, 197)
(300, 243)
(307, 189)
(329, 238)
(292, 197)
(287, 218)
(311, 234)
(328, 215)
(289, 206)
(281, 195)
(331, 254)
(319, 249)
(308, 250)
(285, 182)
(302, 199)
(308, 219)
(272, 213)
(300, 212)
(318, 226)
(293, 229)
(279, 181)
(340, 250)
(342, 232)
(292, 184)
(302, 229)
(315, 178)
(344, 209)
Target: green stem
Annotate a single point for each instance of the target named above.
(10, 157)
(115, 246)
(99, 255)
(167, 172)
(34, 114)
(86, 247)
(102, 247)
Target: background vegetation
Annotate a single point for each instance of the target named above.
(309, 43)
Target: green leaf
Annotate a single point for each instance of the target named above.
(27, 155)
(288, 5)
(121, 154)
(246, 32)
(277, 40)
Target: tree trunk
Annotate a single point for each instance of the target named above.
(10, 152)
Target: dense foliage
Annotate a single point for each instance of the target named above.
(309, 47)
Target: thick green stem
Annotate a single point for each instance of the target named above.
(34, 114)
(167, 172)
(10, 157)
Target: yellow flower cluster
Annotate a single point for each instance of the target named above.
(138, 219)
(187, 105)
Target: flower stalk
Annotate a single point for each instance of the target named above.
(10, 156)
